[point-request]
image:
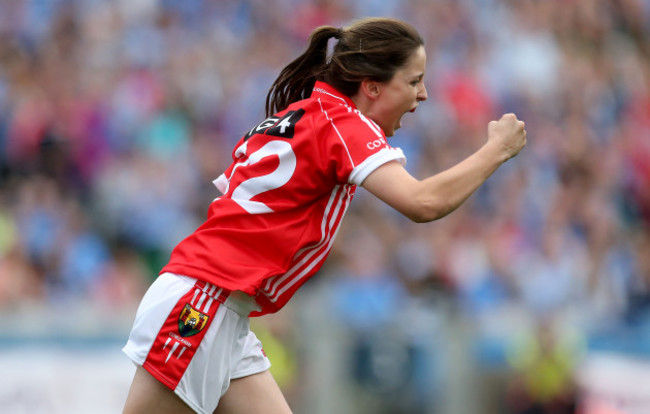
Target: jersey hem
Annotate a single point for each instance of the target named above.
(199, 274)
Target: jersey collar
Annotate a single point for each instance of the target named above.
(326, 91)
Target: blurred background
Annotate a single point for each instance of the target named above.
(533, 297)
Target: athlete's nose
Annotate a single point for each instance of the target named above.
(422, 93)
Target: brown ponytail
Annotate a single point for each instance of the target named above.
(372, 48)
(297, 79)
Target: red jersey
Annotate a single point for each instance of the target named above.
(284, 196)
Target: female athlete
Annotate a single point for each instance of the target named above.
(292, 178)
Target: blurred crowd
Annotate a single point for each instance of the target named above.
(115, 116)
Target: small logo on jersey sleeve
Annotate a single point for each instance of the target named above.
(378, 143)
(191, 321)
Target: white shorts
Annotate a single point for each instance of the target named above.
(195, 337)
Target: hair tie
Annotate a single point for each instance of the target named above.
(339, 33)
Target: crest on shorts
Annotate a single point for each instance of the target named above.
(191, 321)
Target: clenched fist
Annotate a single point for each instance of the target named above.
(509, 134)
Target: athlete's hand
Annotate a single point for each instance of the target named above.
(508, 134)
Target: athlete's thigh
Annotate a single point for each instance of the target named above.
(148, 395)
(254, 394)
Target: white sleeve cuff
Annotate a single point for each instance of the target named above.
(363, 170)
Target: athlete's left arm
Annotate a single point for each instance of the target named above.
(436, 196)
(423, 200)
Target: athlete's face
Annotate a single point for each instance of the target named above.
(401, 94)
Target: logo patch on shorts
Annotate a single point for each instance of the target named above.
(191, 321)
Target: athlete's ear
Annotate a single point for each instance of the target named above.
(370, 88)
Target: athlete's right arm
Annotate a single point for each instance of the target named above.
(435, 197)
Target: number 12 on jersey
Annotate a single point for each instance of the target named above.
(257, 184)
